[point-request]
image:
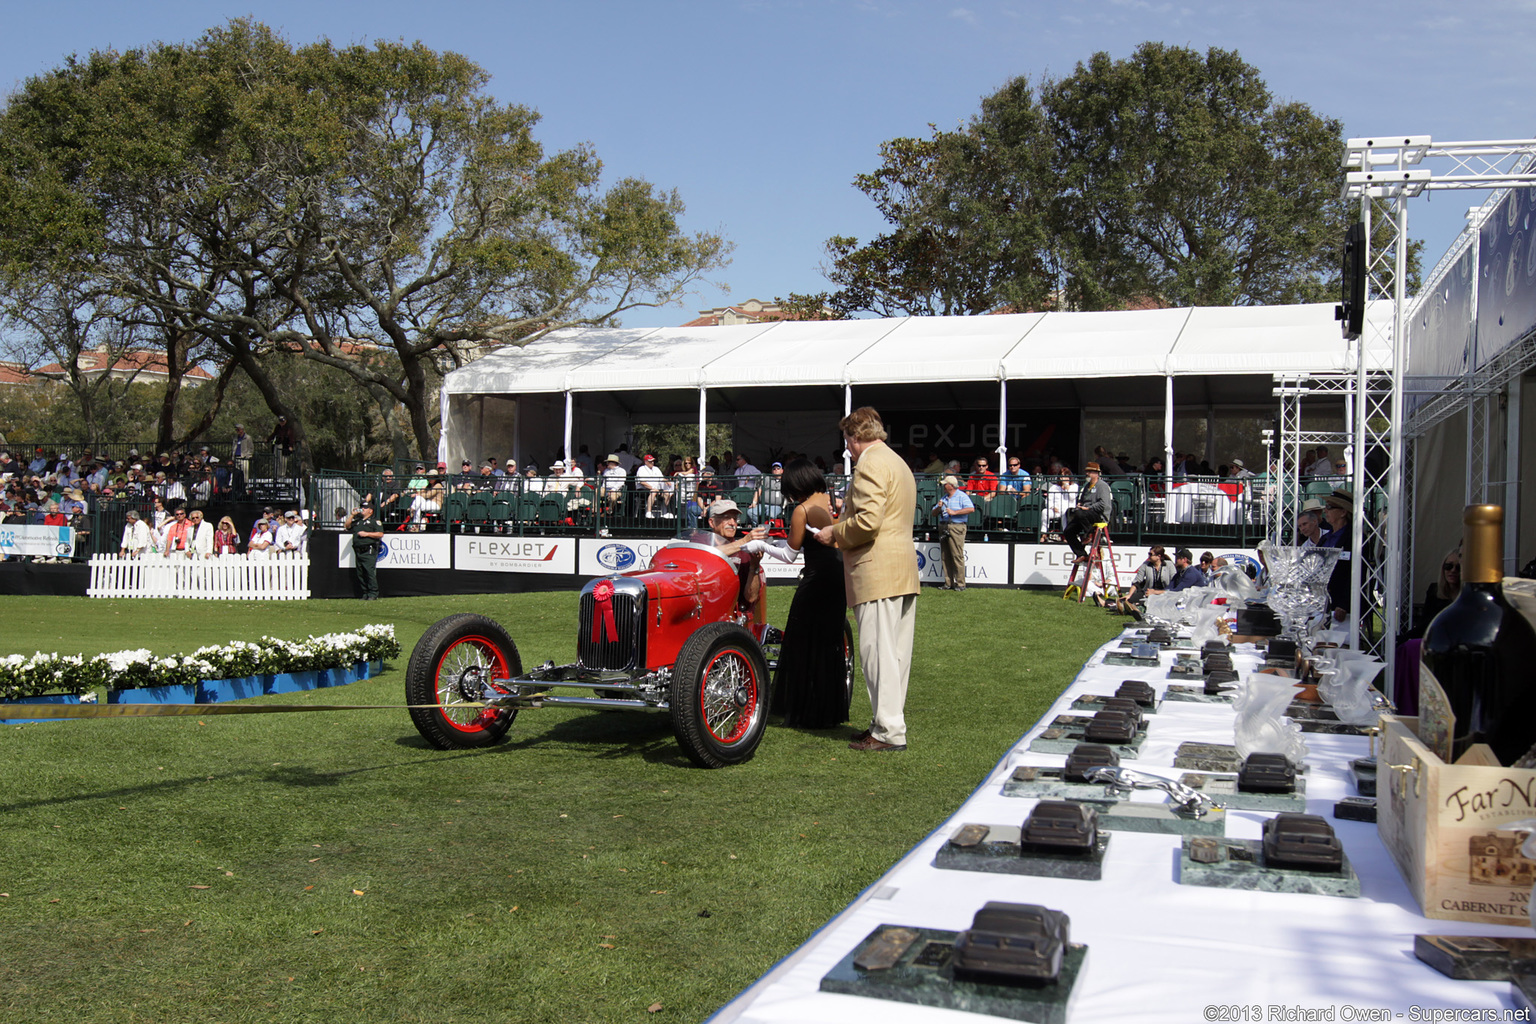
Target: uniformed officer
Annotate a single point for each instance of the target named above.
(367, 532)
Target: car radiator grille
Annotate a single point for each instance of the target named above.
(628, 649)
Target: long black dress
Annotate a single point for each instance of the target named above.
(809, 687)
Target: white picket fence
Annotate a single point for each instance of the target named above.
(227, 577)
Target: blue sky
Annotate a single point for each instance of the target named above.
(760, 112)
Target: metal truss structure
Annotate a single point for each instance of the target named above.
(1382, 174)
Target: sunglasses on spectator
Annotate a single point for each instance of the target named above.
(1451, 567)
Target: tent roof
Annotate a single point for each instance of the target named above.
(1019, 346)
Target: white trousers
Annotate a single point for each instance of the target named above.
(885, 648)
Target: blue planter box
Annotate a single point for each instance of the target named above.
(215, 691)
(47, 698)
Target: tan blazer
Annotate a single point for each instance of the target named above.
(875, 531)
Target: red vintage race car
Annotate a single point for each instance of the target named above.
(679, 636)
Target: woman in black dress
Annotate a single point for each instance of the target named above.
(810, 687)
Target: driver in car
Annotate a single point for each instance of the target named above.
(731, 541)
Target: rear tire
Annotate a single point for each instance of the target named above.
(719, 695)
(445, 670)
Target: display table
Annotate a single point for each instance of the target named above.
(1202, 503)
(1159, 951)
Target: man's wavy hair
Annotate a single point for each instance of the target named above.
(863, 424)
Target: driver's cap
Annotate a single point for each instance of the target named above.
(723, 506)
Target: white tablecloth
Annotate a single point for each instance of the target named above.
(1158, 951)
(1186, 499)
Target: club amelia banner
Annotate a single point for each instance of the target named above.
(402, 551)
(984, 563)
(37, 541)
(515, 554)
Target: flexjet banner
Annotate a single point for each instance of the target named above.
(555, 555)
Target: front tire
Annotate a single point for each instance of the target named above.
(446, 668)
(719, 696)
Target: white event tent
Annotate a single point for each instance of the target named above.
(787, 382)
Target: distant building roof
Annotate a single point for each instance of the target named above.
(753, 311)
(138, 364)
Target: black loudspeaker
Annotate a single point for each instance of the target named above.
(1351, 311)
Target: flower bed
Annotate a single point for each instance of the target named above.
(21, 676)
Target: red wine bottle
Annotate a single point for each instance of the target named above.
(1483, 651)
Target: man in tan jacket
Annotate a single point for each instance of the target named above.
(879, 572)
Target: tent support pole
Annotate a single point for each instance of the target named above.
(703, 423)
(1168, 434)
(847, 410)
(569, 453)
(1002, 424)
(1511, 477)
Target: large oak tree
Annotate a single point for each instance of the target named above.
(253, 197)
(1171, 176)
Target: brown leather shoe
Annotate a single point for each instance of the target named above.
(869, 743)
(860, 736)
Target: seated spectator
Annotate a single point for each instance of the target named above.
(1207, 568)
(982, 482)
(426, 507)
(1152, 577)
(704, 495)
(1185, 575)
(1016, 478)
(652, 482)
(1060, 497)
(615, 480)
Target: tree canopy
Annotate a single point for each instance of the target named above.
(368, 208)
(1171, 177)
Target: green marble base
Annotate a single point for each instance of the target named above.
(1092, 702)
(1067, 732)
(1476, 957)
(1194, 695)
(1207, 757)
(1242, 867)
(1320, 718)
(1212, 757)
(1159, 819)
(1223, 789)
(1034, 783)
(999, 852)
(1187, 667)
(1127, 660)
(921, 976)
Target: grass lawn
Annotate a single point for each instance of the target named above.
(332, 867)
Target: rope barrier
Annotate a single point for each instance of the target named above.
(20, 711)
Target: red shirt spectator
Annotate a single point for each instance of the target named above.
(982, 482)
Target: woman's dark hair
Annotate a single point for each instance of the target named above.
(801, 480)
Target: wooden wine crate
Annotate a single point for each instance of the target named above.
(1440, 822)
